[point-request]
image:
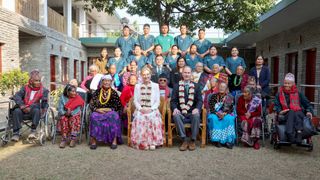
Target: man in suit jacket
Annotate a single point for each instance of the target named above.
(159, 69)
(186, 105)
(262, 75)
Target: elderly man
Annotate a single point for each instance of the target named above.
(292, 104)
(28, 104)
(186, 105)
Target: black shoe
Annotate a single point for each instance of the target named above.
(93, 146)
(217, 144)
(299, 138)
(113, 146)
(229, 145)
(318, 128)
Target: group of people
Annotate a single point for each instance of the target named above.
(189, 73)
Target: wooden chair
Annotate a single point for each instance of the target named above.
(162, 108)
(172, 126)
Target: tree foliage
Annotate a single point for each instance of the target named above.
(229, 15)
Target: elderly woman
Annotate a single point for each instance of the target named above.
(215, 72)
(105, 124)
(198, 76)
(147, 125)
(237, 81)
(116, 83)
(93, 71)
(249, 113)
(221, 118)
(210, 87)
(69, 110)
(132, 69)
(292, 105)
(128, 90)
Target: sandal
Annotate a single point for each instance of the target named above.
(93, 146)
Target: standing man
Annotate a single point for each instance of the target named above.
(164, 39)
(202, 44)
(146, 41)
(186, 105)
(126, 42)
(183, 41)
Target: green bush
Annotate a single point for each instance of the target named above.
(12, 80)
(55, 96)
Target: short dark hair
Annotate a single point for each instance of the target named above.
(146, 25)
(183, 25)
(157, 46)
(125, 26)
(164, 24)
(201, 29)
(67, 89)
(159, 56)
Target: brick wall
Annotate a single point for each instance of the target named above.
(298, 39)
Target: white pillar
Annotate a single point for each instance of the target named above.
(82, 22)
(67, 13)
(43, 12)
(9, 5)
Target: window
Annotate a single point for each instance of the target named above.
(64, 69)
(75, 69)
(52, 72)
(82, 70)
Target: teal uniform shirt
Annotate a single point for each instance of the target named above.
(232, 64)
(209, 62)
(165, 41)
(171, 61)
(202, 46)
(183, 43)
(126, 45)
(120, 63)
(146, 42)
(193, 61)
(142, 61)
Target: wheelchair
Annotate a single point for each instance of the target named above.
(83, 124)
(264, 123)
(44, 129)
(278, 136)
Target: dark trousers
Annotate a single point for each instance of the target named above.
(180, 120)
(19, 115)
(294, 122)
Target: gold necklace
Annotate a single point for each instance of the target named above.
(108, 97)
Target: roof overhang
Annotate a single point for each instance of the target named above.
(285, 15)
(98, 41)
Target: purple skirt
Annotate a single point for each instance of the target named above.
(105, 127)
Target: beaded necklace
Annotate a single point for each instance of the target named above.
(103, 97)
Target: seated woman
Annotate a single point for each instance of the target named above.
(116, 83)
(249, 113)
(210, 88)
(238, 81)
(69, 110)
(128, 90)
(221, 118)
(147, 127)
(163, 86)
(292, 105)
(132, 69)
(105, 124)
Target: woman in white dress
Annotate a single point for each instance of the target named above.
(147, 127)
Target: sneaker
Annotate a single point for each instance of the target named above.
(192, 146)
(32, 135)
(152, 147)
(184, 146)
(72, 143)
(15, 138)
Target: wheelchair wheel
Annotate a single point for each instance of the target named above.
(4, 140)
(49, 124)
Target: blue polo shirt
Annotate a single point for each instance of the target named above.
(126, 45)
(141, 61)
(165, 41)
(202, 46)
(183, 43)
(171, 61)
(120, 63)
(146, 42)
(232, 64)
(209, 62)
(193, 61)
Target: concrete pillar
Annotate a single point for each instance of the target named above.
(43, 12)
(9, 5)
(82, 22)
(67, 13)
